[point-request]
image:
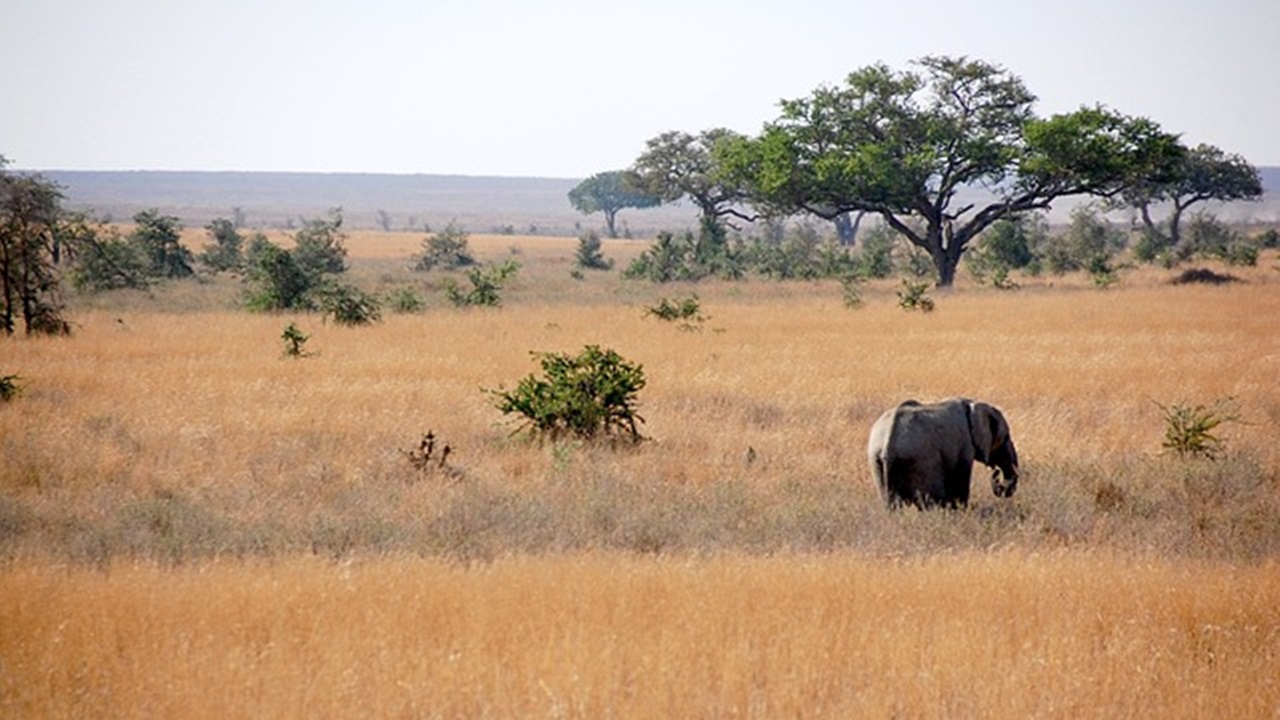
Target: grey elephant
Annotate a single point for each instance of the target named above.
(923, 455)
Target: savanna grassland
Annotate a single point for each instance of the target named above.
(192, 525)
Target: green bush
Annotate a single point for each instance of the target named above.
(589, 256)
(319, 248)
(486, 283)
(591, 397)
(1189, 429)
(446, 249)
(687, 310)
(405, 300)
(350, 306)
(914, 295)
(226, 251)
(294, 339)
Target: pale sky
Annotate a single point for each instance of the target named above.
(567, 88)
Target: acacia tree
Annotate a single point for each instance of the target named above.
(609, 192)
(30, 216)
(902, 144)
(678, 165)
(1204, 173)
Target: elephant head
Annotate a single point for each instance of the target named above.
(993, 447)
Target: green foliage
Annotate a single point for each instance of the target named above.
(1090, 243)
(687, 311)
(1209, 237)
(589, 255)
(875, 257)
(404, 300)
(319, 248)
(276, 280)
(1009, 244)
(677, 165)
(31, 222)
(1269, 239)
(294, 339)
(851, 292)
(609, 192)
(348, 305)
(9, 387)
(446, 249)
(1189, 429)
(591, 396)
(159, 239)
(108, 261)
(904, 144)
(486, 284)
(226, 251)
(914, 295)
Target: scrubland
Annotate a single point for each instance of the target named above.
(192, 524)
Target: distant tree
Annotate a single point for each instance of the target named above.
(589, 255)
(277, 282)
(609, 192)
(226, 251)
(677, 165)
(1089, 244)
(319, 248)
(446, 249)
(903, 144)
(30, 214)
(159, 239)
(384, 220)
(1204, 173)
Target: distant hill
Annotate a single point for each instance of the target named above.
(268, 199)
(479, 204)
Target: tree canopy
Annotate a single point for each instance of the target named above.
(609, 192)
(677, 165)
(1204, 173)
(31, 217)
(902, 144)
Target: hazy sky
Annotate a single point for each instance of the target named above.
(566, 88)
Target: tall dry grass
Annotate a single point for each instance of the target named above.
(1006, 634)
(169, 481)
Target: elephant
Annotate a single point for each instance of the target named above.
(923, 454)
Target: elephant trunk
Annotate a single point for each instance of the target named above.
(1004, 461)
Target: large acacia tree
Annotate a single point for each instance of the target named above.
(1204, 173)
(903, 145)
(609, 192)
(677, 165)
(31, 217)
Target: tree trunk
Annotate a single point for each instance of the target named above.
(847, 227)
(609, 216)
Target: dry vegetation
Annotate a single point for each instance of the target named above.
(191, 524)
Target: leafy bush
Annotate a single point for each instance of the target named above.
(294, 339)
(404, 300)
(486, 283)
(276, 280)
(589, 255)
(226, 251)
(914, 295)
(108, 261)
(158, 238)
(9, 387)
(1089, 244)
(591, 397)
(851, 292)
(1005, 246)
(687, 311)
(319, 248)
(1189, 429)
(350, 306)
(446, 249)
(875, 258)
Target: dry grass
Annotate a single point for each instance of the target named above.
(1007, 634)
(166, 475)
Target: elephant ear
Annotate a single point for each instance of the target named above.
(988, 430)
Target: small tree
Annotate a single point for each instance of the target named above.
(159, 239)
(589, 256)
(486, 283)
(276, 281)
(1089, 244)
(609, 192)
(226, 251)
(445, 249)
(294, 339)
(30, 216)
(591, 396)
(320, 246)
(349, 306)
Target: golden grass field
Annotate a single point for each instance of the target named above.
(192, 525)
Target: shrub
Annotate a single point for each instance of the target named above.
(687, 311)
(276, 280)
(405, 300)
(486, 282)
(851, 291)
(1189, 429)
(320, 246)
(1089, 244)
(914, 295)
(875, 258)
(9, 387)
(350, 306)
(294, 339)
(446, 249)
(226, 251)
(158, 237)
(589, 255)
(591, 397)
